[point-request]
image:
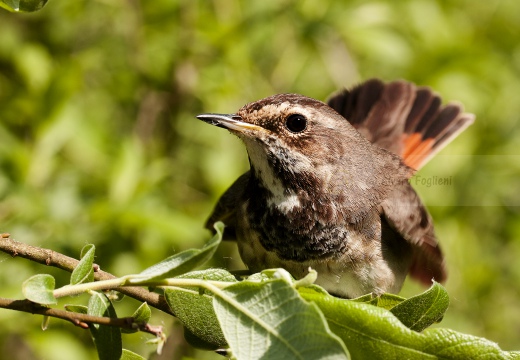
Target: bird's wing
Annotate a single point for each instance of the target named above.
(226, 207)
(407, 216)
(402, 118)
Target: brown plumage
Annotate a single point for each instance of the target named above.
(402, 118)
(334, 194)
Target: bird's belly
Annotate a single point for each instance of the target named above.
(352, 274)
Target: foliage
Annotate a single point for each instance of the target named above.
(273, 316)
(98, 144)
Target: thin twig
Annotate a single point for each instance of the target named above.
(52, 258)
(78, 319)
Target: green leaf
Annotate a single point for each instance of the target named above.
(22, 5)
(182, 262)
(421, 311)
(374, 333)
(45, 322)
(141, 316)
(365, 298)
(450, 344)
(386, 301)
(84, 272)
(199, 342)
(195, 309)
(214, 274)
(196, 312)
(129, 355)
(269, 320)
(39, 289)
(107, 338)
(80, 309)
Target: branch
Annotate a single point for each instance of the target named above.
(78, 319)
(52, 258)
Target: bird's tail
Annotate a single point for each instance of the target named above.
(402, 118)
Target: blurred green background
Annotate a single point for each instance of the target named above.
(98, 141)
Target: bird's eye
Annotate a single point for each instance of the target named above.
(296, 123)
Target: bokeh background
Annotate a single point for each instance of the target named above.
(99, 144)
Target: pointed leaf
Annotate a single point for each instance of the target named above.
(39, 289)
(45, 322)
(374, 333)
(107, 338)
(84, 272)
(141, 316)
(199, 342)
(269, 320)
(195, 309)
(182, 262)
(421, 311)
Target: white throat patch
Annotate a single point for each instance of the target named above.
(283, 199)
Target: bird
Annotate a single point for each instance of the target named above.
(329, 185)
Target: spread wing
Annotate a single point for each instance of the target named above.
(402, 118)
(225, 209)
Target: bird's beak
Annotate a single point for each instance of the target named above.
(228, 121)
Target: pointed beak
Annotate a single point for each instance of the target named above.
(228, 121)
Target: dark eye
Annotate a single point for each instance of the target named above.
(296, 123)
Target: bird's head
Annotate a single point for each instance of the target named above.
(290, 134)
